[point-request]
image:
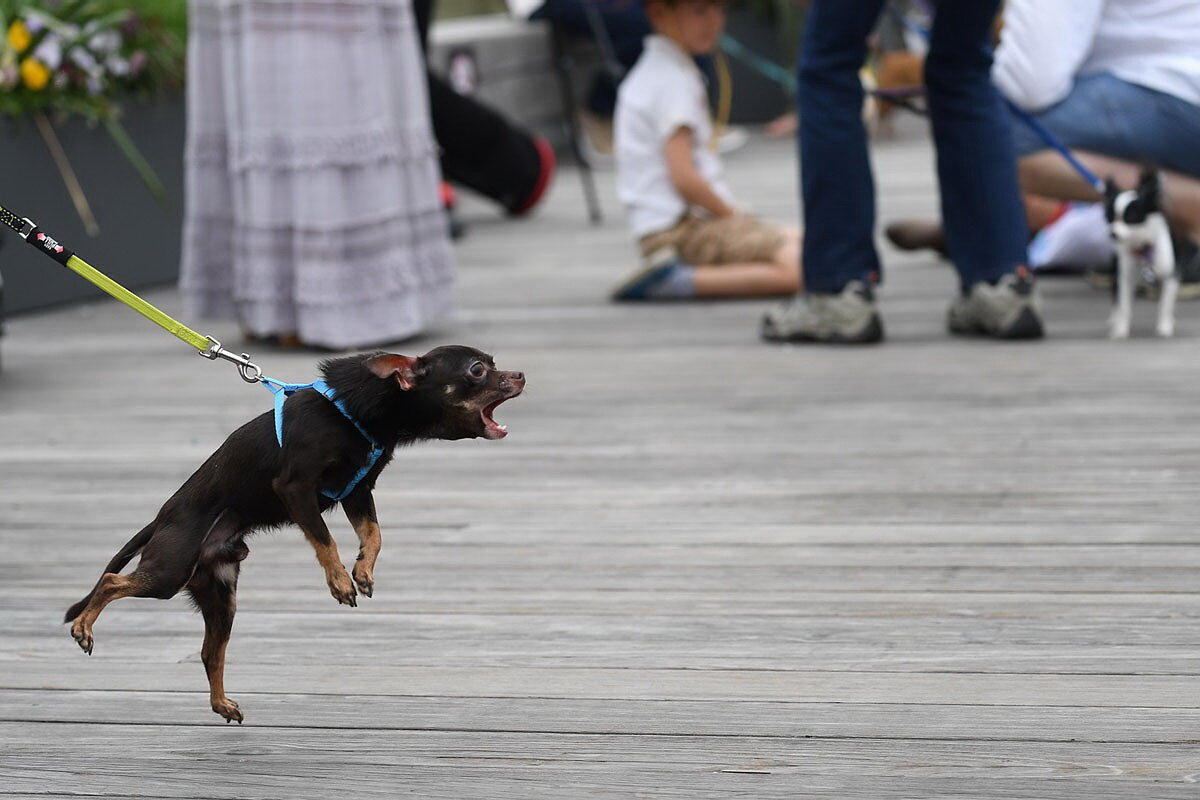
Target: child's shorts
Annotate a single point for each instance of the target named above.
(717, 240)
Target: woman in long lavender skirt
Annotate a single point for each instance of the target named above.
(312, 209)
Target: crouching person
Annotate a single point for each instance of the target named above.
(694, 243)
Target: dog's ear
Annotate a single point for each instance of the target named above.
(1149, 188)
(406, 369)
(1110, 199)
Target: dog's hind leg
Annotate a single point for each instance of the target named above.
(1126, 277)
(1168, 278)
(1166, 306)
(118, 562)
(168, 559)
(213, 588)
(112, 586)
(360, 510)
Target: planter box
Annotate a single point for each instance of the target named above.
(139, 241)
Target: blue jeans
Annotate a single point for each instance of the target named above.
(986, 231)
(1113, 117)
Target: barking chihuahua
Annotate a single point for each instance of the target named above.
(253, 482)
(1143, 244)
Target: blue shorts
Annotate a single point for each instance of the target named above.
(1112, 117)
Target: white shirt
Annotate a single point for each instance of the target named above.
(1045, 44)
(661, 94)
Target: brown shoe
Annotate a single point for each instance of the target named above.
(917, 234)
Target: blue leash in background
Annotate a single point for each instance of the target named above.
(784, 77)
(1052, 140)
(763, 66)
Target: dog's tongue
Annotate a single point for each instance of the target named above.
(493, 429)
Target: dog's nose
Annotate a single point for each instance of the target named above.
(518, 376)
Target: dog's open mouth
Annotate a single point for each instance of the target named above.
(491, 428)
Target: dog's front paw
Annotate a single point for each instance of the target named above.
(342, 589)
(83, 637)
(227, 709)
(364, 580)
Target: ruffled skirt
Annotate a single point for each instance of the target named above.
(312, 200)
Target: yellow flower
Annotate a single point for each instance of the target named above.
(35, 74)
(18, 36)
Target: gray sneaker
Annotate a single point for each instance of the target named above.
(1008, 309)
(848, 317)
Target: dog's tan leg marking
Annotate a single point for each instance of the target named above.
(369, 543)
(214, 589)
(299, 498)
(112, 587)
(336, 576)
(360, 510)
(212, 653)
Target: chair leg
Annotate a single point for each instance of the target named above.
(562, 70)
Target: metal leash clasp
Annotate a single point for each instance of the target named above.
(249, 371)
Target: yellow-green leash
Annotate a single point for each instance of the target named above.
(207, 346)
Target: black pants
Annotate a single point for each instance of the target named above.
(480, 149)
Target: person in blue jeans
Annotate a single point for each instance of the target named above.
(986, 230)
(1117, 82)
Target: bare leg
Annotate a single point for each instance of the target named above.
(1047, 173)
(1040, 211)
(214, 588)
(779, 276)
(360, 510)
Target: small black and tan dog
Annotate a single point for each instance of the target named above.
(252, 482)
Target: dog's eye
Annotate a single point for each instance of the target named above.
(477, 370)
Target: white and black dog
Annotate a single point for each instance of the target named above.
(1142, 240)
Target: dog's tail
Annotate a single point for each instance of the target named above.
(123, 556)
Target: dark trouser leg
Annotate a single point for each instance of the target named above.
(986, 230)
(836, 183)
(481, 149)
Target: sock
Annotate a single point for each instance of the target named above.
(678, 282)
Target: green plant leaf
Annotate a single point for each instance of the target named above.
(140, 165)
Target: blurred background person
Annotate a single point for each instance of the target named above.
(312, 211)
(694, 241)
(1118, 83)
(480, 147)
(981, 203)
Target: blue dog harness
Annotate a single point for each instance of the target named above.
(283, 391)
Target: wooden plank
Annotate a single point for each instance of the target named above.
(700, 567)
(311, 763)
(1168, 691)
(723, 718)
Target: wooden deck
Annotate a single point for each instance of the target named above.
(698, 567)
